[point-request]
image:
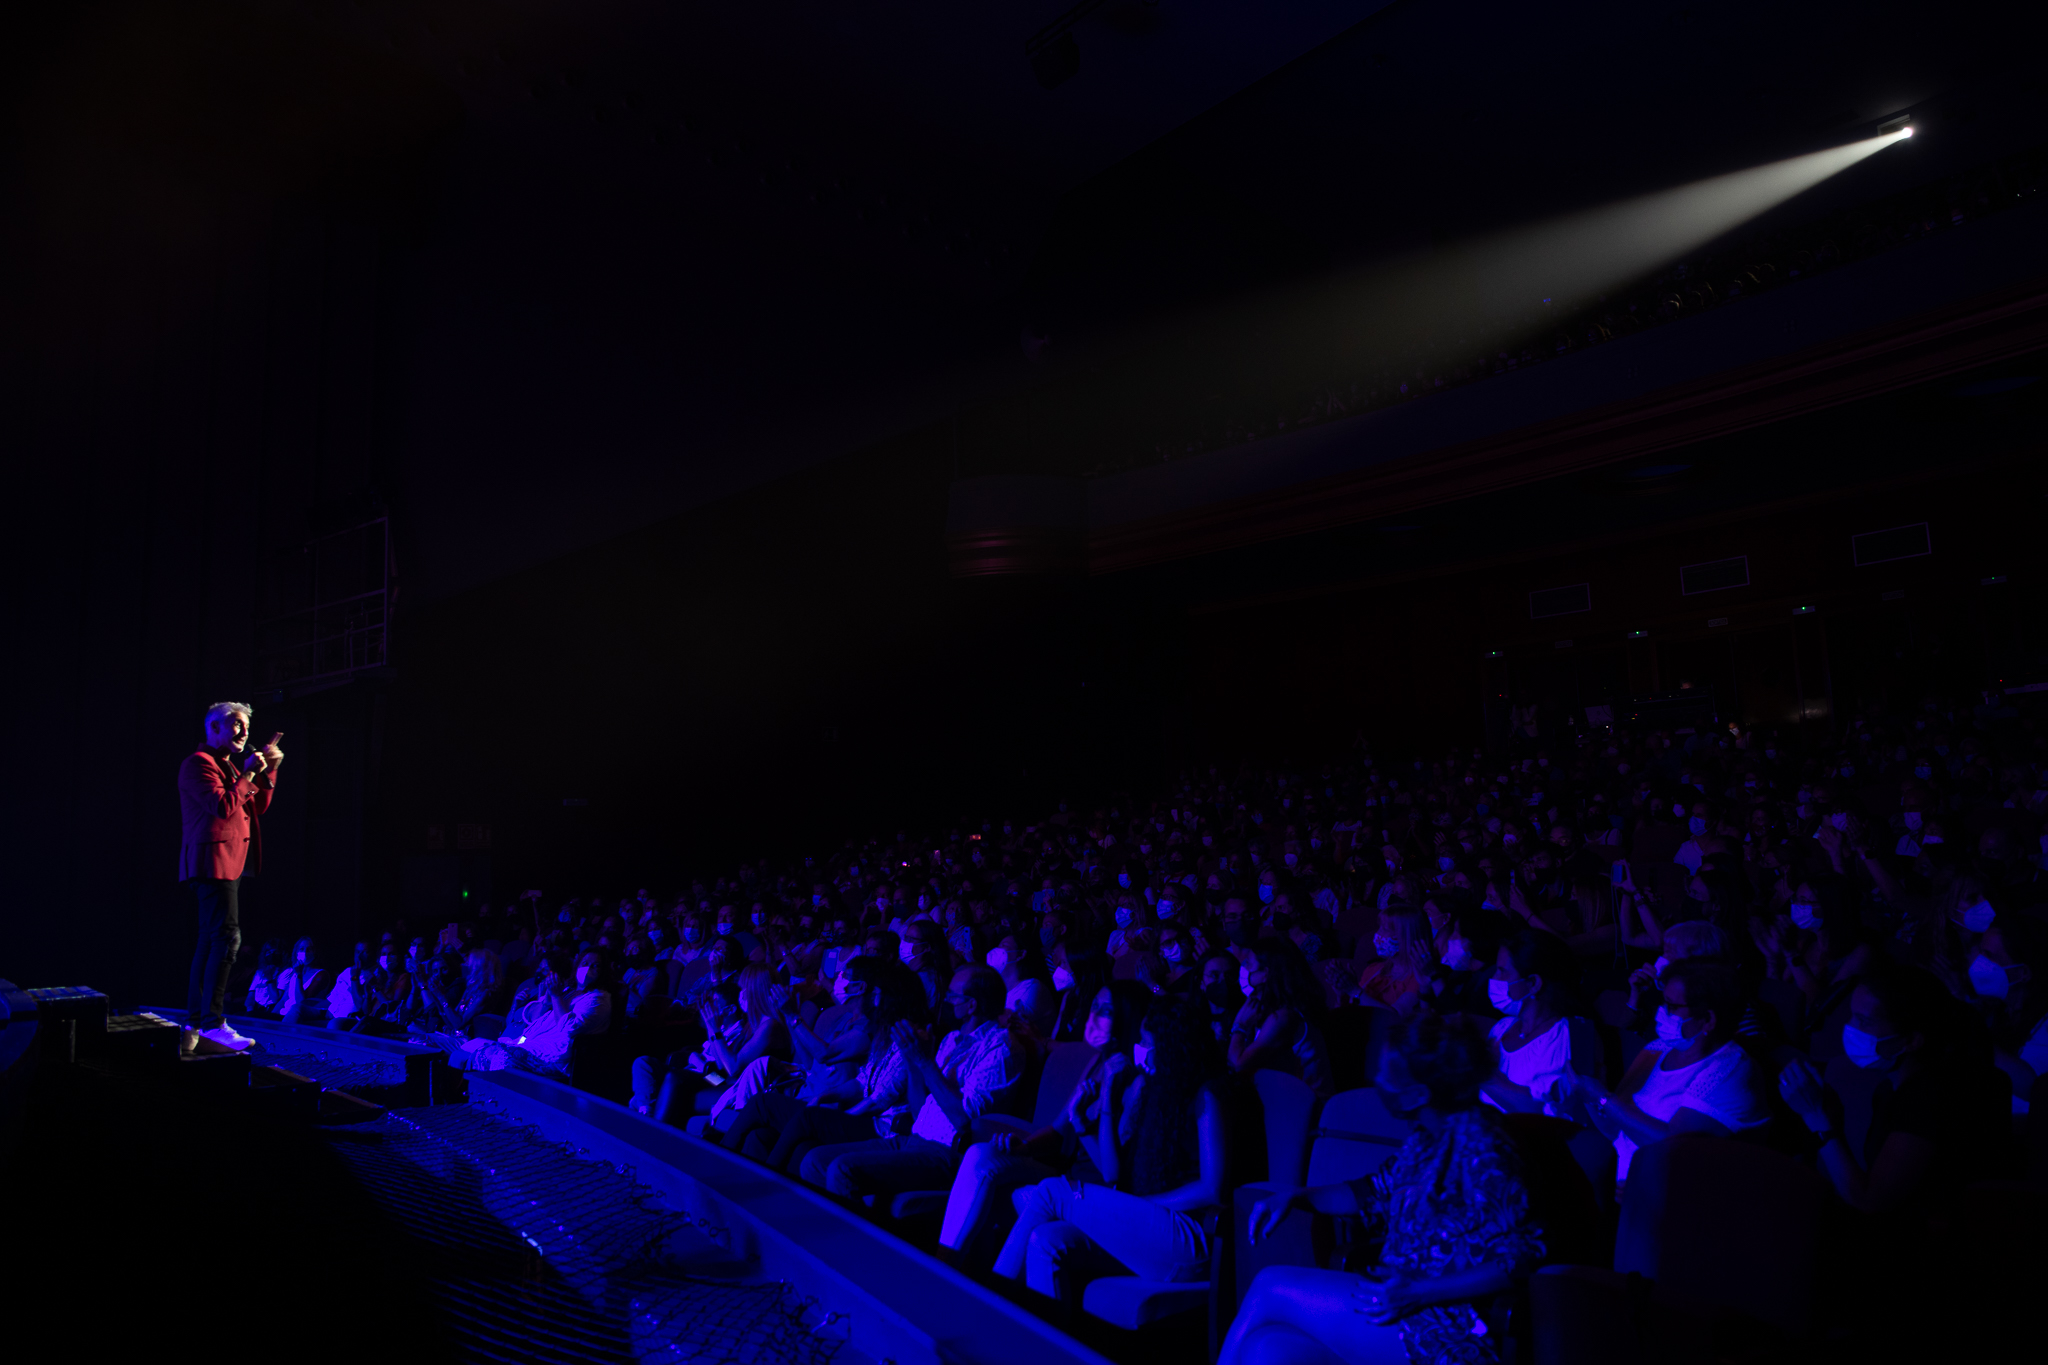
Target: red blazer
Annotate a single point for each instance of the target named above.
(223, 837)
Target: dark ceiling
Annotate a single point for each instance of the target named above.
(654, 253)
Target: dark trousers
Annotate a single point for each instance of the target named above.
(220, 938)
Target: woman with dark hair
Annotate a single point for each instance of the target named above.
(728, 1050)
(978, 1210)
(304, 987)
(1531, 987)
(1163, 1145)
(1815, 946)
(1693, 1077)
(1471, 948)
(831, 1062)
(348, 1004)
(266, 994)
(574, 999)
(1218, 991)
(1452, 1208)
(1276, 1027)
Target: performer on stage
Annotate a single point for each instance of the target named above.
(222, 792)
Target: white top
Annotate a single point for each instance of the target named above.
(1723, 1085)
(344, 999)
(549, 1036)
(1537, 1065)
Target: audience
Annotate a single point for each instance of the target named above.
(1623, 934)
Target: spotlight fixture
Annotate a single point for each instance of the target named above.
(1898, 126)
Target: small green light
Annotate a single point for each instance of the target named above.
(465, 893)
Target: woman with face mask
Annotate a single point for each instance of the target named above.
(1814, 946)
(826, 1065)
(1531, 987)
(1404, 960)
(1947, 1122)
(1471, 948)
(350, 996)
(1278, 1026)
(979, 1210)
(1169, 1125)
(266, 995)
(1693, 1077)
(1028, 992)
(1179, 959)
(727, 1053)
(1452, 1211)
(1086, 973)
(1131, 917)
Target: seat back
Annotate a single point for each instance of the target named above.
(1589, 1055)
(1723, 1226)
(1788, 1002)
(1064, 1063)
(1562, 1195)
(1354, 1135)
(1857, 1089)
(1289, 1108)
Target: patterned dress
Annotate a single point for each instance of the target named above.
(1449, 1202)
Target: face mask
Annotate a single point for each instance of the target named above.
(1265, 894)
(817, 900)
(1978, 917)
(1444, 864)
(1244, 981)
(692, 934)
(757, 920)
(1988, 978)
(1384, 946)
(724, 928)
(562, 918)
(1862, 1048)
(998, 959)
(1840, 819)
(1659, 967)
(1165, 909)
(583, 975)
(1096, 1031)
(1458, 956)
(302, 957)
(1062, 979)
(1923, 772)
(1803, 914)
(906, 950)
(1049, 935)
(1697, 824)
(1678, 811)
(1141, 1057)
(1497, 993)
(1123, 917)
(1670, 1028)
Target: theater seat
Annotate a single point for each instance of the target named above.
(1289, 1109)
(918, 1204)
(1129, 1302)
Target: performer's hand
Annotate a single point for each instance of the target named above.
(271, 753)
(254, 763)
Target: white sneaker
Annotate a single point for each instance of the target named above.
(227, 1033)
(225, 1037)
(188, 1041)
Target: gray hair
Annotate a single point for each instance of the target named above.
(221, 708)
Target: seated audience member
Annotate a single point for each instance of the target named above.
(1693, 1077)
(386, 991)
(1449, 1205)
(1027, 984)
(266, 991)
(1219, 992)
(1275, 1027)
(978, 1209)
(1530, 986)
(1947, 1120)
(730, 1047)
(645, 983)
(1471, 949)
(1405, 958)
(1087, 973)
(573, 1000)
(882, 1107)
(1168, 1130)
(978, 1073)
(1685, 939)
(349, 1001)
(303, 987)
(1182, 961)
(1815, 946)
(826, 1066)
(924, 950)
